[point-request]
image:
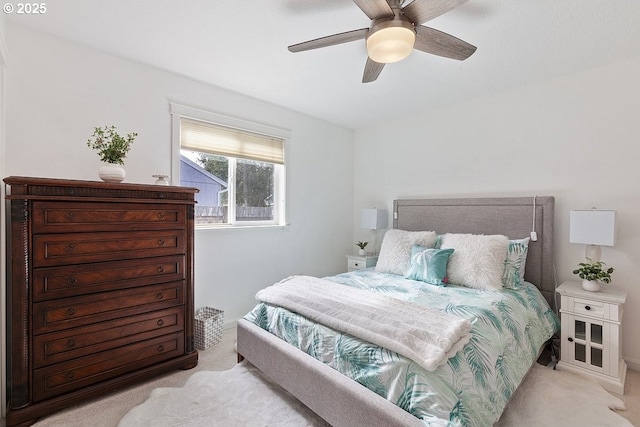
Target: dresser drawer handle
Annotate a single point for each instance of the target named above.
(160, 242)
(71, 343)
(72, 281)
(160, 349)
(71, 312)
(159, 296)
(71, 247)
(160, 215)
(69, 375)
(161, 269)
(71, 216)
(586, 307)
(160, 322)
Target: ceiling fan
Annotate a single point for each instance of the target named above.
(395, 31)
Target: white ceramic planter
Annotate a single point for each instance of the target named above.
(590, 285)
(110, 172)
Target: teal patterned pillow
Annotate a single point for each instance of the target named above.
(514, 263)
(429, 265)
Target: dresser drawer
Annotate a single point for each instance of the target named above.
(69, 217)
(67, 376)
(78, 342)
(51, 316)
(60, 282)
(63, 249)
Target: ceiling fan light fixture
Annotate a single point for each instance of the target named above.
(391, 43)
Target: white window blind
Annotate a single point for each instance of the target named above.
(225, 141)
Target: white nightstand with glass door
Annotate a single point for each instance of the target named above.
(591, 325)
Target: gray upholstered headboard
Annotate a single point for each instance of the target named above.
(511, 216)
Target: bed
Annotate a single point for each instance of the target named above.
(459, 392)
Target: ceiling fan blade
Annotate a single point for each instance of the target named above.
(371, 70)
(442, 44)
(420, 11)
(334, 39)
(375, 9)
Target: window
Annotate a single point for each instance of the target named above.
(239, 171)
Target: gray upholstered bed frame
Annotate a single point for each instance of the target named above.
(340, 400)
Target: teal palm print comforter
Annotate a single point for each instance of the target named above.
(472, 389)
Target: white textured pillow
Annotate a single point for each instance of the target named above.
(478, 260)
(395, 252)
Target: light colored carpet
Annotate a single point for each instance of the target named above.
(242, 396)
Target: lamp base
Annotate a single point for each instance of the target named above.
(593, 253)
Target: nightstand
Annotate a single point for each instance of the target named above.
(591, 325)
(357, 262)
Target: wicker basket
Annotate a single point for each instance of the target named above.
(208, 327)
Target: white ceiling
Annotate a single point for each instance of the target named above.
(241, 45)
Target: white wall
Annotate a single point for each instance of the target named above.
(576, 138)
(58, 91)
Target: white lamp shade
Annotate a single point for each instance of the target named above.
(375, 219)
(592, 227)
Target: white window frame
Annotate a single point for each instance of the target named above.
(179, 111)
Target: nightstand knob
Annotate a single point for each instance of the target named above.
(586, 307)
(570, 339)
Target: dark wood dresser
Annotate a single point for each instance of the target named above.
(99, 289)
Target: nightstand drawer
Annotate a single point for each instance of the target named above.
(360, 262)
(588, 308)
(355, 264)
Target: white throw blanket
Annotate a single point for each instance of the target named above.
(427, 336)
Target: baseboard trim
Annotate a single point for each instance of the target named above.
(633, 364)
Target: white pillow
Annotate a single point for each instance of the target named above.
(395, 252)
(478, 260)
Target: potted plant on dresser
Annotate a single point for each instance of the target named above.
(592, 274)
(112, 149)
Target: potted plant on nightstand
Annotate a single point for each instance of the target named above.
(362, 245)
(112, 149)
(592, 274)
